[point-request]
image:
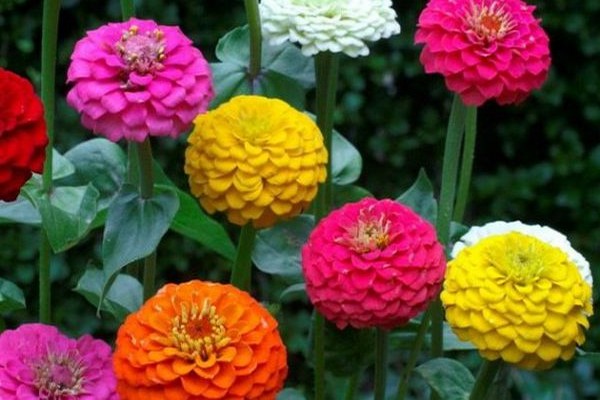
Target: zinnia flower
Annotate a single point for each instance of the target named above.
(22, 134)
(137, 78)
(485, 49)
(338, 26)
(374, 263)
(200, 341)
(256, 159)
(38, 362)
(519, 293)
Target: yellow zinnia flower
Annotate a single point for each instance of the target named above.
(256, 159)
(517, 298)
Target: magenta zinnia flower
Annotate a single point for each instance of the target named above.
(374, 263)
(137, 78)
(38, 362)
(485, 49)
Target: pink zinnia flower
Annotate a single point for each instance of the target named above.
(374, 263)
(38, 362)
(137, 78)
(485, 49)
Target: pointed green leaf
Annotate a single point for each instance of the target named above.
(343, 194)
(61, 166)
(192, 222)
(346, 161)
(135, 226)
(230, 80)
(123, 297)
(420, 197)
(101, 163)
(277, 249)
(275, 85)
(20, 211)
(11, 297)
(67, 213)
(448, 378)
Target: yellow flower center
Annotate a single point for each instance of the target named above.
(199, 332)
(369, 233)
(489, 22)
(142, 53)
(252, 128)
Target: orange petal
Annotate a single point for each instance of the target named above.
(194, 385)
(183, 367)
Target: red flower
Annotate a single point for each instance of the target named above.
(22, 134)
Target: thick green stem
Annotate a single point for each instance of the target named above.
(412, 358)
(49, 44)
(466, 167)
(253, 15)
(241, 275)
(146, 176)
(352, 385)
(484, 379)
(454, 136)
(326, 71)
(381, 362)
(127, 9)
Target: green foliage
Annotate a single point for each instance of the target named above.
(11, 297)
(449, 378)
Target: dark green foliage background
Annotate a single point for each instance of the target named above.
(538, 162)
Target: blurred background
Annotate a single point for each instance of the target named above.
(538, 162)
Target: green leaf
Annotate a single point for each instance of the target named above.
(450, 379)
(20, 211)
(420, 198)
(346, 162)
(277, 249)
(229, 80)
(452, 342)
(192, 222)
(101, 163)
(11, 297)
(286, 59)
(61, 166)
(348, 194)
(135, 226)
(67, 213)
(123, 297)
(294, 292)
(290, 394)
(348, 344)
(285, 73)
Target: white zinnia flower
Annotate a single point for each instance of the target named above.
(328, 25)
(543, 233)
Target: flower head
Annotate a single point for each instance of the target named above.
(22, 134)
(136, 78)
(38, 362)
(374, 263)
(338, 26)
(517, 295)
(257, 159)
(485, 49)
(200, 341)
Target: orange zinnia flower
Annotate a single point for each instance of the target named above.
(200, 340)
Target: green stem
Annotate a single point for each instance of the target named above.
(326, 74)
(49, 43)
(484, 379)
(414, 355)
(241, 275)
(466, 167)
(352, 385)
(146, 175)
(253, 16)
(127, 9)
(454, 136)
(319, 360)
(327, 70)
(44, 280)
(381, 362)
